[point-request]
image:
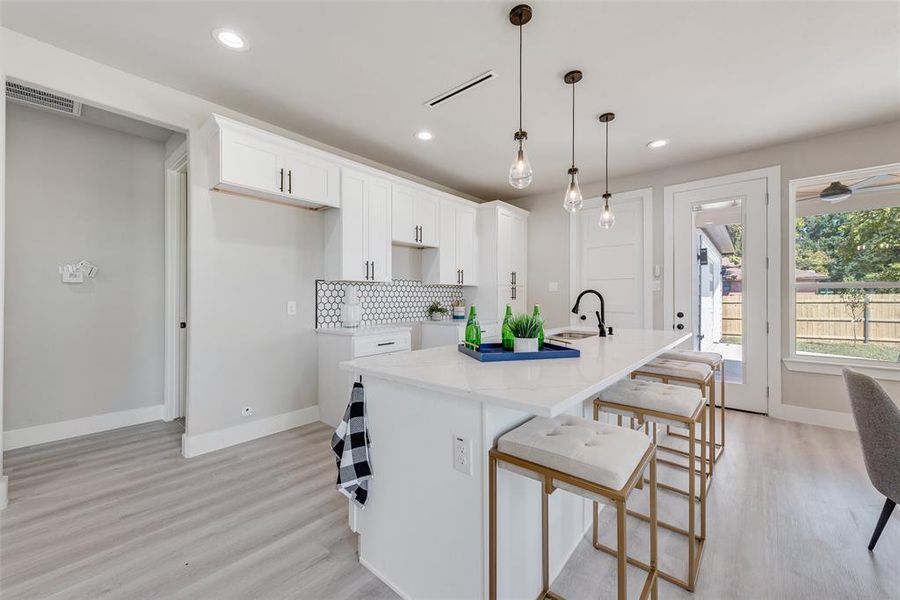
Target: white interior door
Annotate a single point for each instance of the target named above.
(614, 262)
(719, 281)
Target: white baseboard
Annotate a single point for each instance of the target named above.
(4, 492)
(384, 579)
(195, 445)
(813, 416)
(51, 432)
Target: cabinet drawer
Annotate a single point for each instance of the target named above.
(370, 345)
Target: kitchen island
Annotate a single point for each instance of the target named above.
(433, 415)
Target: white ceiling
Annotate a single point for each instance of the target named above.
(715, 78)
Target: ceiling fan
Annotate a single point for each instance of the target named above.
(837, 191)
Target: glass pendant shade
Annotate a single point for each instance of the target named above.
(520, 173)
(573, 200)
(607, 218)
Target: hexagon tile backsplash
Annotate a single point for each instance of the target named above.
(396, 302)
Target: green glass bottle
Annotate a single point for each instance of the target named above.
(506, 334)
(537, 313)
(473, 330)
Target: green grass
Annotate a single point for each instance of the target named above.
(873, 351)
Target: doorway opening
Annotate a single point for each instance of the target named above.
(720, 237)
(95, 269)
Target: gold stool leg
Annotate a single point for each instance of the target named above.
(622, 557)
(492, 536)
(691, 514)
(545, 539)
(709, 392)
(722, 396)
(653, 520)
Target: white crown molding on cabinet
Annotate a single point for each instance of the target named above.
(51, 432)
(195, 445)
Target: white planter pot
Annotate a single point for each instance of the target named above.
(525, 345)
(437, 317)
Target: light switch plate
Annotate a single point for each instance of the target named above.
(462, 454)
(554, 286)
(292, 308)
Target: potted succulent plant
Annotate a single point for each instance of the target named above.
(436, 312)
(525, 329)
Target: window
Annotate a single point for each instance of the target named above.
(846, 266)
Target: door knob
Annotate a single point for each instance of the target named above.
(679, 326)
(679, 314)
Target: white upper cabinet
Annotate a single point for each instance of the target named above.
(253, 162)
(415, 217)
(454, 263)
(358, 237)
(502, 260)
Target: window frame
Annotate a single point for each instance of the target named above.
(817, 363)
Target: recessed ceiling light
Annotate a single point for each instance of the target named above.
(657, 143)
(424, 135)
(230, 38)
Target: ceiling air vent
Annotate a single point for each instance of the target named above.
(463, 87)
(43, 99)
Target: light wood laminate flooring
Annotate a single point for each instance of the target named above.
(122, 514)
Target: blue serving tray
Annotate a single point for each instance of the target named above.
(496, 353)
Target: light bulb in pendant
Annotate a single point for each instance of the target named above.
(607, 218)
(520, 173)
(573, 200)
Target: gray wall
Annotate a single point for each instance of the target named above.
(79, 191)
(549, 261)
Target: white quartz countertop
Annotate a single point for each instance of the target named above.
(353, 331)
(540, 387)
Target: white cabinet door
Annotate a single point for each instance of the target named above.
(307, 177)
(514, 295)
(403, 214)
(353, 228)
(250, 162)
(465, 245)
(511, 248)
(427, 210)
(378, 228)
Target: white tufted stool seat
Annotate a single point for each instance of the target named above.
(667, 367)
(604, 454)
(714, 360)
(597, 461)
(676, 400)
(708, 358)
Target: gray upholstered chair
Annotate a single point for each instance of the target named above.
(878, 423)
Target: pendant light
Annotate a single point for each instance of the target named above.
(573, 200)
(520, 173)
(607, 218)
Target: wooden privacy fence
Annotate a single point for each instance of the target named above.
(828, 317)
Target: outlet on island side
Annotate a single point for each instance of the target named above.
(462, 454)
(247, 411)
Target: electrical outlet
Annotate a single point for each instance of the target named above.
(292, 308)
(462, 454)
(554, 286)
(247, 411)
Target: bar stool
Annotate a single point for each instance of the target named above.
(597, 461)
(693, 373)
(674, 406)
(717, 363)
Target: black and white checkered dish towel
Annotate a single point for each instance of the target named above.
(350, 444)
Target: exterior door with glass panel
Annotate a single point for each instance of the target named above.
(720, 283)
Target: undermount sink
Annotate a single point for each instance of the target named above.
(572, 335)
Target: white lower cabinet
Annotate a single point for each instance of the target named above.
(454, 263)
(358, 237)
(338, 345)
(448, 333)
